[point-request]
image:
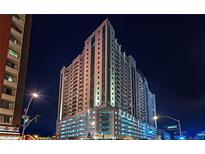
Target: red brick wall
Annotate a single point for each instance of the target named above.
(5, 23)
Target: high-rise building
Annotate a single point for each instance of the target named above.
(151, 107)
(146, 106)
(14, 46)
(101, 93)
(142, 87)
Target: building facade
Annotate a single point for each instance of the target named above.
(104, 80)
(14, 46)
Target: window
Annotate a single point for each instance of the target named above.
(11, 64)
(8, 91)
(14, 40)
(9, 77)
(13, 53)
(6, 105)
(5, 118)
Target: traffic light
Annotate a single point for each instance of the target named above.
(36, 119)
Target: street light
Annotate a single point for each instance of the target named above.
(155, 121)
(169, 117)
(35, 95)
(155, 117)
(26, 119)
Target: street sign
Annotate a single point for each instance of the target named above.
(172, 127)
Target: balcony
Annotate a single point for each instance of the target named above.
(11, 70)
(10, 84)
(22, 16)
(16, 34)
(18, 22)
(2, 123)
(14, 46)
(8, 97)
(12, 58)
(6, 111)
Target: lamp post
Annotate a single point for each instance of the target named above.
(155, 121)
(26, 119)
(169, 117)
(103, 135)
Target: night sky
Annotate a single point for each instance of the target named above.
(168, 49)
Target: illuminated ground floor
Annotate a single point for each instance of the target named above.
(104, 122)
(9, 133)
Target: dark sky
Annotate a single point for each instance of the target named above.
(168, 49)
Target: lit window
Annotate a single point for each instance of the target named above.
(13, 53)
(10, 78)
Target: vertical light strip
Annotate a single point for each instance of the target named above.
(92, 90)
(103, 64)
